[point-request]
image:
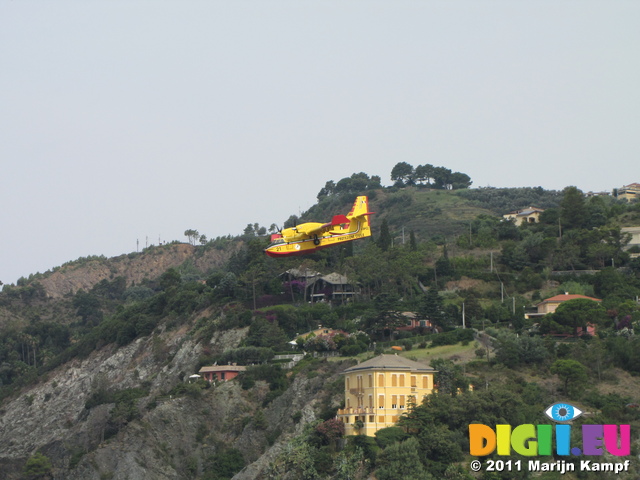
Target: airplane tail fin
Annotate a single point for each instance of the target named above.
(359, 215)
(360, 207)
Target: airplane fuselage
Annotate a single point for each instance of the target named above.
(310, 245)
(309, 237)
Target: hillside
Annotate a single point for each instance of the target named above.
(95, 356)
(134, 268)
(434, 213)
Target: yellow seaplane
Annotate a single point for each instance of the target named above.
(309, 237)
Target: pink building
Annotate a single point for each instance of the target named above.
(221, 373)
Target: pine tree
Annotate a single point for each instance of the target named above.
(384, 242)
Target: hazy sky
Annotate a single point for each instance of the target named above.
(122, 120)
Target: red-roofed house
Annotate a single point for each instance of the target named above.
(551, 304)
(629, 192)
(221, 372)
(413, 322)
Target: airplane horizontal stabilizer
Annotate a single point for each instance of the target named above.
(339, 220)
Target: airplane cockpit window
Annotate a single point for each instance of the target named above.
(277, 241)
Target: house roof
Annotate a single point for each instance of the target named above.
(566, 297)
(300, 272)
(223, 368)
(335, 279)
(390, 362)
(526, 211)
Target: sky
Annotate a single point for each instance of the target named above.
(125, 123)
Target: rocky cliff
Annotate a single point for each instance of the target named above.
(133, 267)
(167, 436)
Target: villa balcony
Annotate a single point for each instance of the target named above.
(357, 411)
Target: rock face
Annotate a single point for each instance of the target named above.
(134, 267)
(51, 417)
(170, 436)
(129, 412)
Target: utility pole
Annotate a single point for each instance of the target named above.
(559, 228)
(491, 271)
(463, 322)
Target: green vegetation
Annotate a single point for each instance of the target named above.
(439, 249)
(38, 466)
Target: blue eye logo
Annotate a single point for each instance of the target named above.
(562, 412)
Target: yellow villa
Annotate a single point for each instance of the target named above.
(377, 392)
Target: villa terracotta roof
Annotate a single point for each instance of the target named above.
(390, 362)
(566, 297)
(223, 368)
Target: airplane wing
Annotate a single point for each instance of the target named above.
(318, 228)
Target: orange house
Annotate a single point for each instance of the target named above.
(221, 373)
(551, 304)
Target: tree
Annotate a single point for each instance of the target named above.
(460, 180)
(431, 307)
(327, 190)
(38, 466)
(385, 317)
(442, 178)
(384, 241)
(402, 174)
(192, 235)
(413, 245)
(572, 374)
(295, 461)
(513, 351)
(401, 461)
(170, 278)
(573, 212)
(390, 435)
(348, 465)
(449, 377)
(88, 307)
(573, 314)
(424, 173)
(514, 255)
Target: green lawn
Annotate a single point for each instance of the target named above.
(424, 355)
(465, 352)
